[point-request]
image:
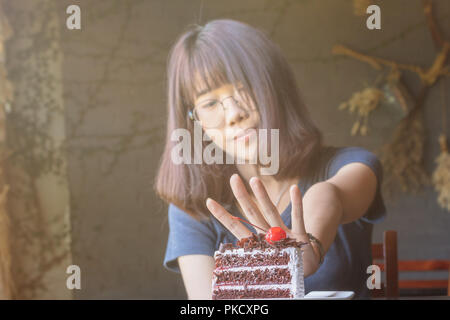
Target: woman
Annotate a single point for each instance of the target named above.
(231, 81)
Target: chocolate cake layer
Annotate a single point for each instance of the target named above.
(251, 293)
(254, 277)
(258, 259)
(258, 269)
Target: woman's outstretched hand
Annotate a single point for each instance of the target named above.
(264, 215)
(267, 217)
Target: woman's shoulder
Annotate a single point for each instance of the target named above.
(339, 150)
(181, 217)
(352, 149)
(348, 154)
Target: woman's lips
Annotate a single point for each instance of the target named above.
(245, 134)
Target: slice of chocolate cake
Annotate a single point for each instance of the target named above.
(258, 269)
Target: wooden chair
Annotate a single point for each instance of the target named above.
(385, 256)
(425, 265)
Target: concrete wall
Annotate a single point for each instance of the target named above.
(38, 201)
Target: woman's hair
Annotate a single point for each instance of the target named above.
(207, 57)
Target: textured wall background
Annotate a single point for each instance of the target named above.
(114, 91)
(38, 203)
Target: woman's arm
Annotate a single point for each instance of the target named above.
(341, 199)
(356, 184)
(322, 214)
(197, 270)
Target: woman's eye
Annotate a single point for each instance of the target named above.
(209, 104)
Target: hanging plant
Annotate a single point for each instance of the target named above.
(363, 103)
(402, 156)
(441, 175)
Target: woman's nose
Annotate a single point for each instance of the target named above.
(233, 111)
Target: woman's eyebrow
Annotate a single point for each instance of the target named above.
(206, 90)
(202, 92)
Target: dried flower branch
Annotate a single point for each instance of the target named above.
(402, 157)
(441, 175)
(363, 102)
(436, 33)
(428, 77)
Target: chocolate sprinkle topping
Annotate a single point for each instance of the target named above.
(259, 242)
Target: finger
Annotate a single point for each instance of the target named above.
(268, 209)
(298, 224)
(249, 207)
(235, 227)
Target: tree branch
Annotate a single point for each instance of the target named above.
(432, 25)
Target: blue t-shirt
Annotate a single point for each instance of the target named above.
(345, 265)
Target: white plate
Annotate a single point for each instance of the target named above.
(335, 295)
(318, 295)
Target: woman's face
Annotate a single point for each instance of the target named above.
(227, 126)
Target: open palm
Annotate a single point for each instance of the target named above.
(265, 218)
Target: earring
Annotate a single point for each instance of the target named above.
(190, 115)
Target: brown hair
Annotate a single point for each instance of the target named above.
(207, 57)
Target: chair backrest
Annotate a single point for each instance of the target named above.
(425, 265)
(385, 256)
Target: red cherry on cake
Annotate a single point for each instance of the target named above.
(275, 234)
